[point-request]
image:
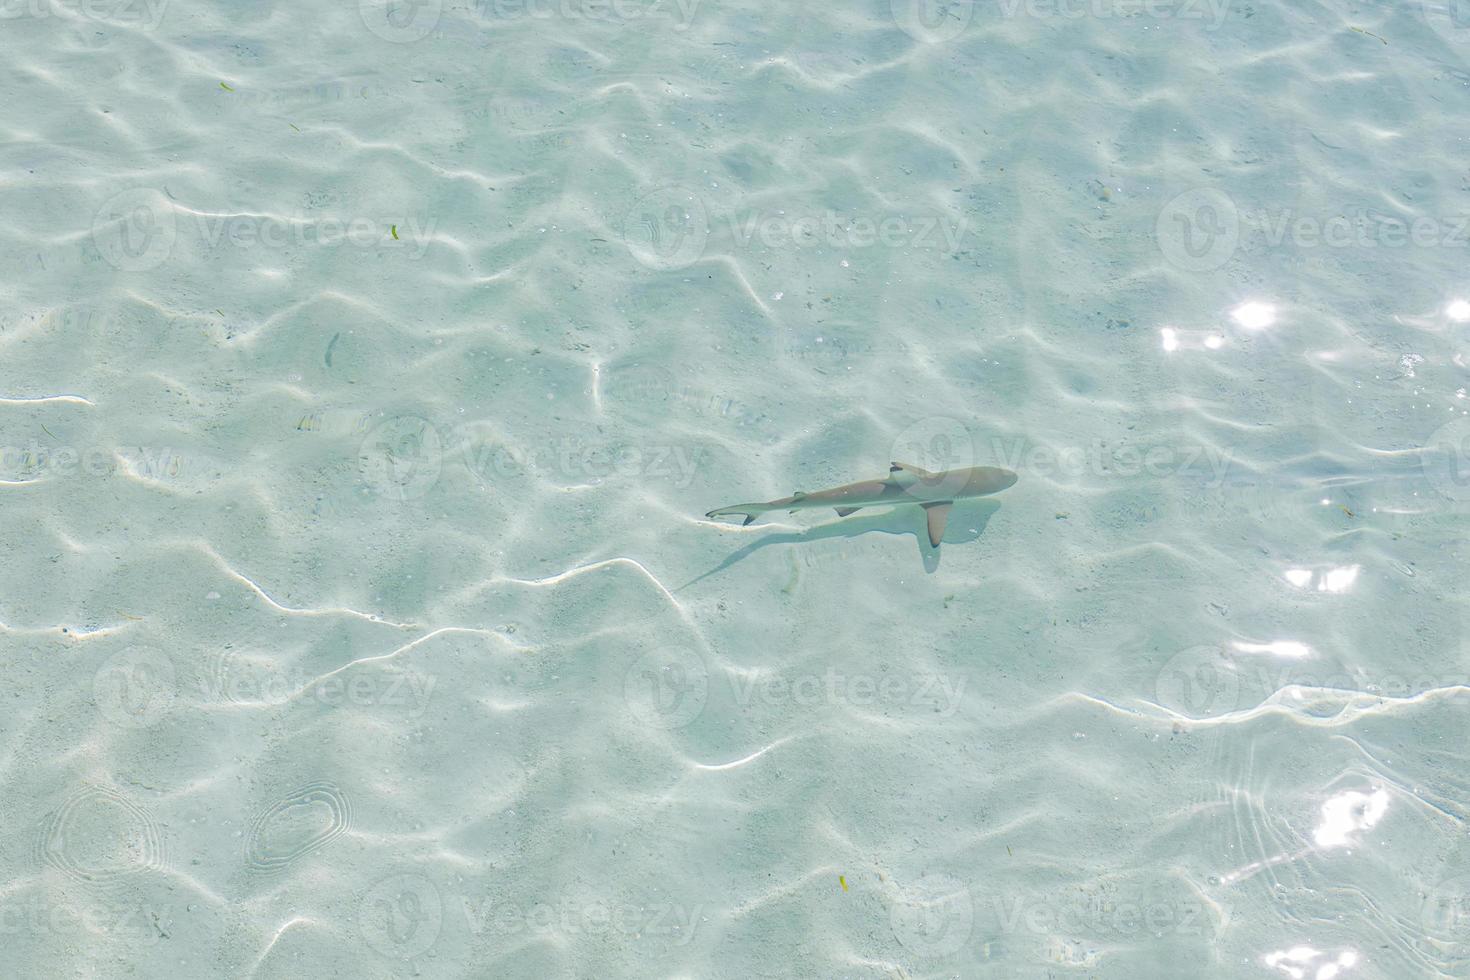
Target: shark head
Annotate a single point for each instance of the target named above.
(974, 481)
(997, 477)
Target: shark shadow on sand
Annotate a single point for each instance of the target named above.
(968, 524)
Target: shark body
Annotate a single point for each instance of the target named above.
(906, 484)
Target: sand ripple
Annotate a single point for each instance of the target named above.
(367, 369)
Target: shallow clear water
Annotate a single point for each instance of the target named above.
(366, 373)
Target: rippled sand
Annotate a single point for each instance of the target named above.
(365, 371)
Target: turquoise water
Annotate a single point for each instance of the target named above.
(366, 372)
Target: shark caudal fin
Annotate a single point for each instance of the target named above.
(736, 511)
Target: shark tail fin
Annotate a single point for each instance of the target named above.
(738, 511)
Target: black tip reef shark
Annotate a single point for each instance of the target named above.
(935, 492)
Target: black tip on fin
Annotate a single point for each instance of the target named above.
(937, 515)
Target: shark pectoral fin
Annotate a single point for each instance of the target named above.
(844, 511)
(938, 514)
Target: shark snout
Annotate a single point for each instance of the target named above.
(984, 480)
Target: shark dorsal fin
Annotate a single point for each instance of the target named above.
(904, 475)
(797, 494)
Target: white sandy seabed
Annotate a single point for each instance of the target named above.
(365, 372)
